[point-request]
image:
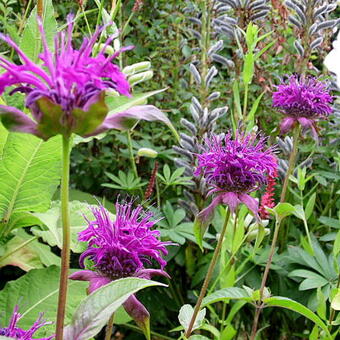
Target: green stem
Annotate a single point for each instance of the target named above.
(65, 253)
(291, 165)
(131, 155)
(245, 102)
(264, 279)
(40, 8)
(109, 328)
(208, 276)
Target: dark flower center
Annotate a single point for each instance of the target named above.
(116, 264)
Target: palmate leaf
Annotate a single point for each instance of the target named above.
(29, 174)
(37, 292)
(94, 312)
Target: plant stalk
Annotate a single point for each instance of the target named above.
(208, 276)
(40, 8)
(264, 279)
(65, 252)
(291, 165)
(332, 315)
(109, 328)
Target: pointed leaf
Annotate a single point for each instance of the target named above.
(94, 311)
(226, 294)
(29, 174)
(36, 292)
(279, 301)
(185, 315)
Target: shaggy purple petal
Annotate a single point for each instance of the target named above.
(239, 165)
(95, 279)
(302, 98)
(69, 78)
(13, 331)
(124, 247)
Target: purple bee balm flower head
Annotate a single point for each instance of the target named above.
(13, 331)
(302, 100)
(233, 168)
(125, 247)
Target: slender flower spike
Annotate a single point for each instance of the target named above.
(125, 247)
(302, 100)
(234, 168)
(66, 91)
(14, 332)
(267, 200)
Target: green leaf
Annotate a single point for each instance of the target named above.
(336, 247)
(283, 302)
(335, 304)
(185, 315)
(96, 309)
(226, 294)
(3, 138)
(248, 68)
(52, 220)
(282, 210)
(310, 206)
(29, 174)
(36, 292)
(251, 115)
(330, 222)
(122, 103)
(198, 337)
(25, 252)
(31, 40)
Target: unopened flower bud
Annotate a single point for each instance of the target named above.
(147, 152)
(136, 68)
(140, 77)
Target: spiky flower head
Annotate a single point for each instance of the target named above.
(14, 332)
(233, 168)
(302, 100)
(128, 246)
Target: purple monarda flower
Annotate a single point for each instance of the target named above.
(13, 331)
(302, 100)
(66, 91)
(233, 168)
(125, 247)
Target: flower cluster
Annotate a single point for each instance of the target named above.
(125, 247)
(234, 168)
(302, 100)
(66, 93)
(14, 332)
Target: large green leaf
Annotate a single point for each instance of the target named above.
(52, 220)
(29, 174)
(283, 302)
(37, 292)
(24, 251)
(226, 294)
(122, 103)
(31, 40)
(3, 138)
(94, 312)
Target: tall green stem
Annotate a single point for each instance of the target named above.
(109, 328)
(264, 280)
(291, 164)
(208, 276)
(40, 8)
(65, 253)
(332, 314)
(291, 167)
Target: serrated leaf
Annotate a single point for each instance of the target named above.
(96, 309)
(52, 220)
(36, 292)
(31, 40)
(283, 302)
(29, 174)
(185, 314)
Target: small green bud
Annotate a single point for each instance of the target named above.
(147, 152)
(108, 49)
(136, 68)
(140, 77)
